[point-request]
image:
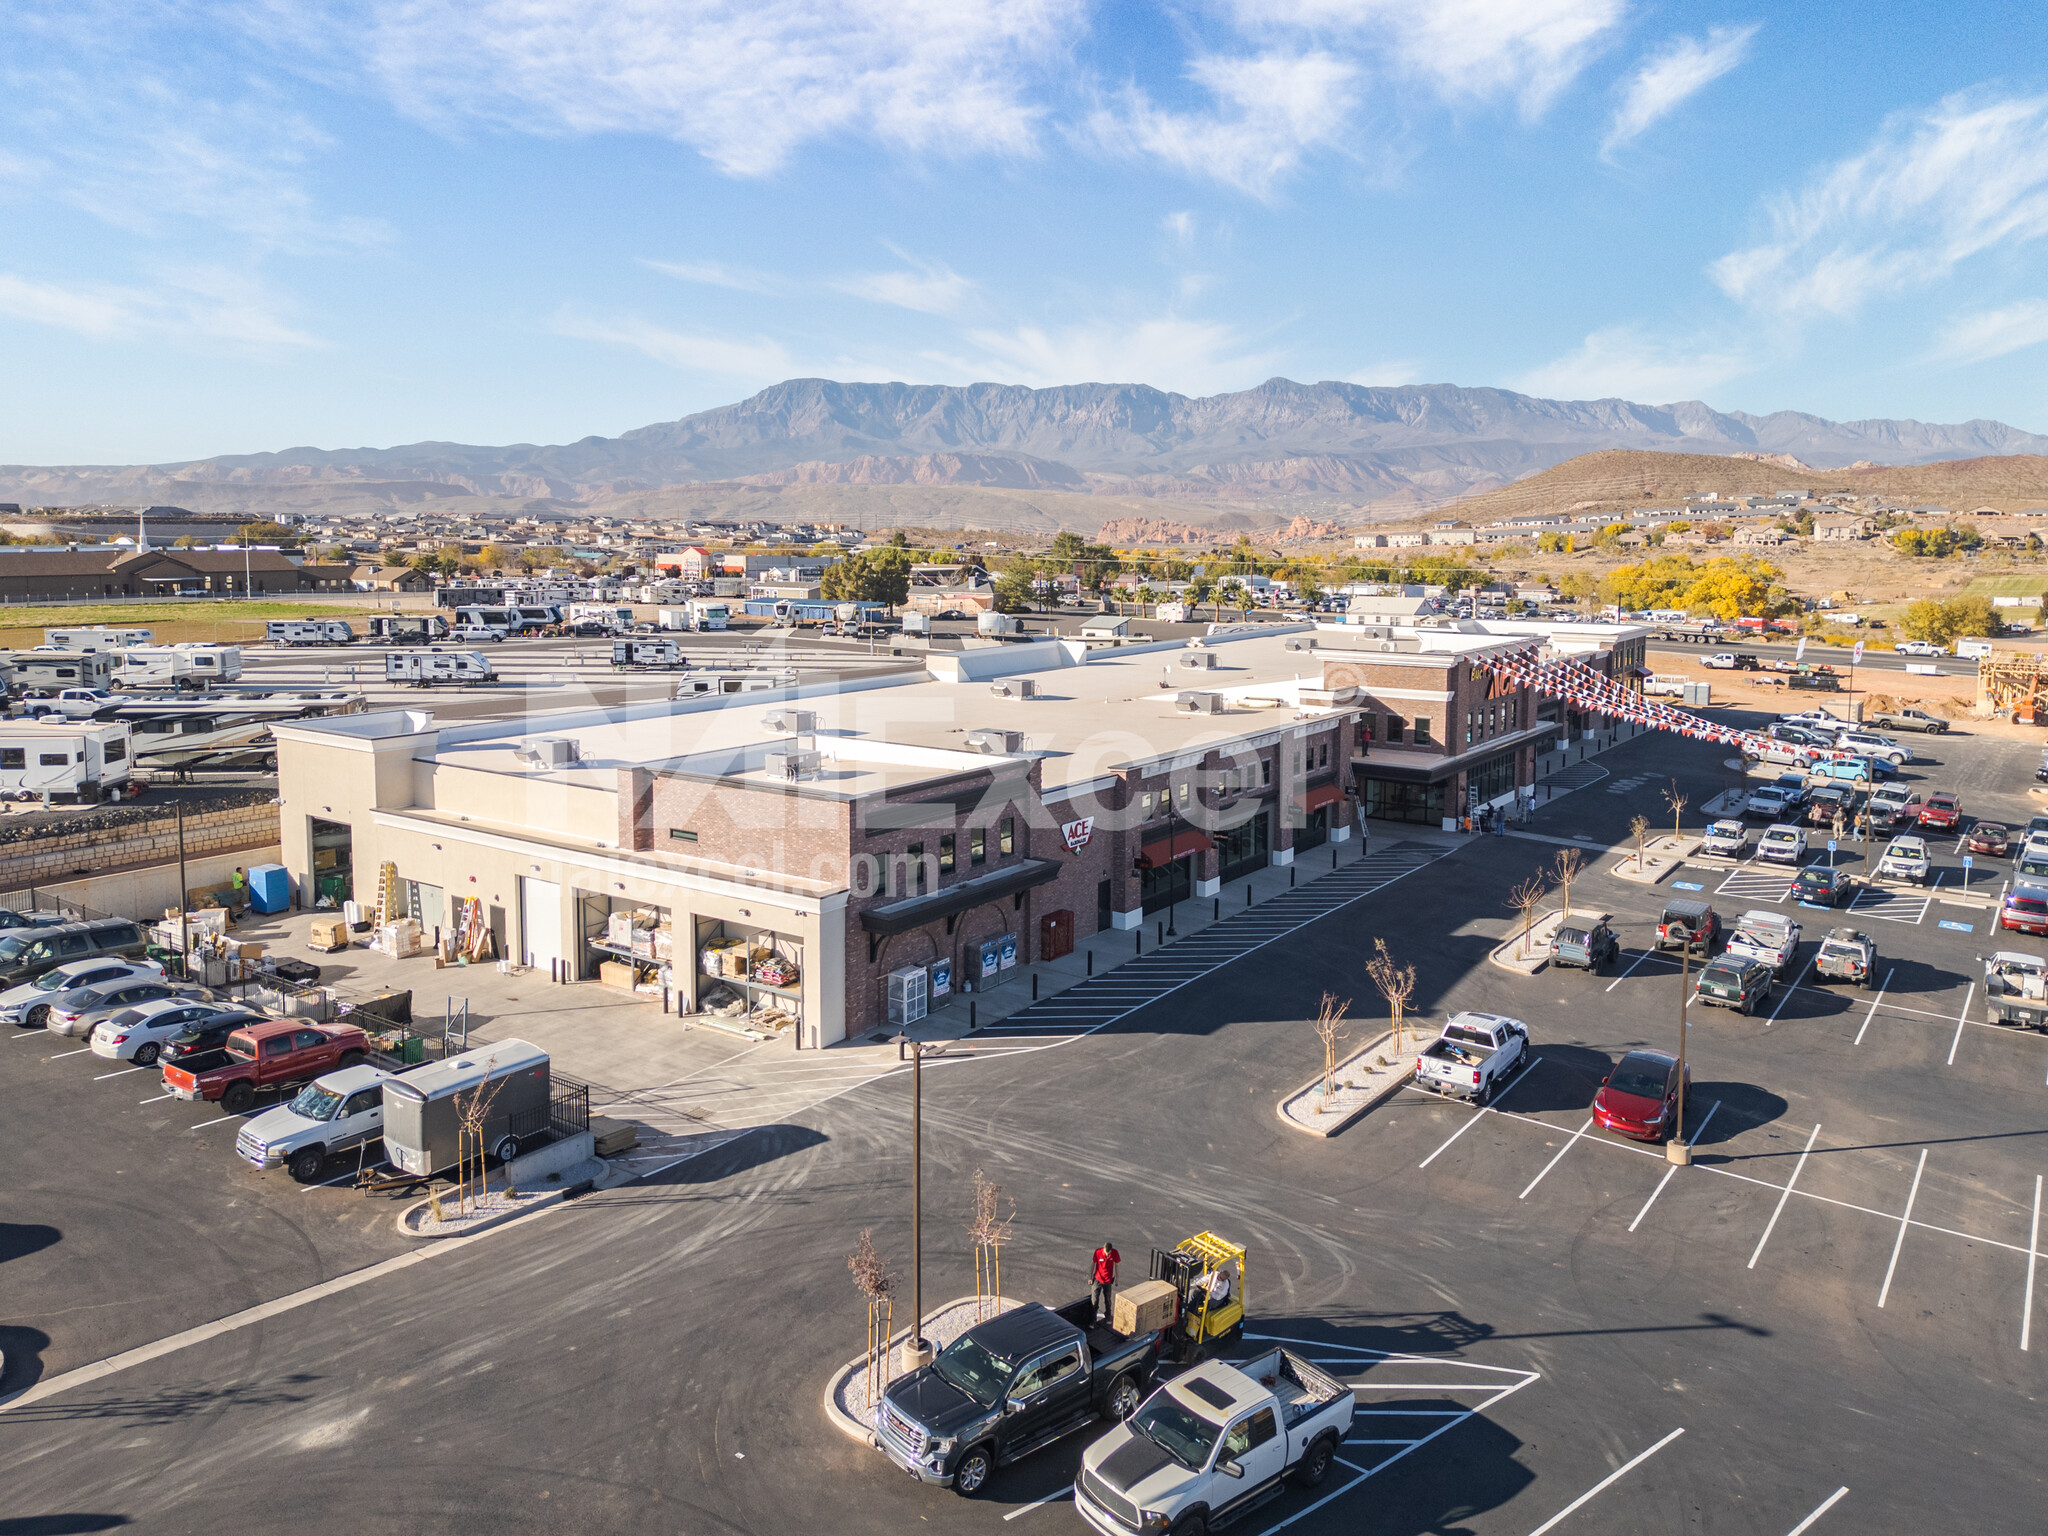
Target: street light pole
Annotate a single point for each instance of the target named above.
(1675, 1150)
(917, 1353)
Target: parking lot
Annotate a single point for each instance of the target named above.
(1826, 1323)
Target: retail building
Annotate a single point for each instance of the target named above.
(792, 856)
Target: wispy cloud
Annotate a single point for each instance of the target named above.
(744, 82)
(1169, 351)
(1681, 68)
(1629, 363)
(1524, 50)
(930, 288)
(1271, 109)
(1994, 332)
(1932, 190)
(715, 275)
(759, 359)
(1180, 227)
(202, 305)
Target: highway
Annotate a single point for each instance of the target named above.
(1835, 656)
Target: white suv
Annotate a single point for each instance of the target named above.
(1905, 859)
(1782, 844)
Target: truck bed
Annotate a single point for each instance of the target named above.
(1103, 1341)
(1302, 1389)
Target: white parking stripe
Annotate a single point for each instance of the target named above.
(1826, 1505)
(1555, 1160)
(2033, 1252)
(1875, 1001)
(1639, 959)
(62, 1054)
(1607, 1482)
(1039, 1503)
(1961, 1019)
(1788, 995)
(122, 1073)
(1690, 1141)
(1475, 1119)
(1905, 1221)
(157, 1100)
(1771, 1226)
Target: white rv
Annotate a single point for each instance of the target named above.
(185, 665)
(63, 759)
(607, 614)
(423, 669)
(698, 613)
(97, 637)
(308, 632)
(646, 653)
(65, 669)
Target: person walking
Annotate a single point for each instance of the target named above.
(1104, 1274)
(240, 890)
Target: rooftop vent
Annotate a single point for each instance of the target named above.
(548, 752)
(1014, 687)
(1201, 703)
(1301, 642)
(789, 767)
(1198, 661)
(996, 743)
(791, 722)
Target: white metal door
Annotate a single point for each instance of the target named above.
(540, 922)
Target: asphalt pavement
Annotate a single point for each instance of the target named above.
(1549, 1328)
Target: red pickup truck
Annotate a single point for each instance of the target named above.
(277, 1053)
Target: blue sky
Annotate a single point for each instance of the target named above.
(256, 224)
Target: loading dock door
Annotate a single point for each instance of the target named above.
(540, 922)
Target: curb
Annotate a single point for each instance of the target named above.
(589, 1177)
(844, 1422)
(1378, 1096)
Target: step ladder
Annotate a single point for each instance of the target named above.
(387, 892)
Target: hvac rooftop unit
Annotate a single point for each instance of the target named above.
(791, 722)
(1198, 661)
(547, 752)
(1014, 687)
(1301, 642)
(789, 767)
(996, 743)
(1201, 703)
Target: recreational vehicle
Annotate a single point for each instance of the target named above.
(423, 669)
(228, 732)
(408, 628)
(96, 637)
(184, 665)
(64, 669)
(646, 653)
(308, 632)
(500, 621)
(607, 614)
(62, 759)
(700, 613)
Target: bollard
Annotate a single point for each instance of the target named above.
(1247, 893)
(1034, 986)
(664, 1000)
(1218, 911)
(1333, 856)
(1091, 962)
(1139, 935)
(971, 1024)
(1161, 936)
(1290, 877)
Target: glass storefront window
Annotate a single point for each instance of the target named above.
(1395, 800)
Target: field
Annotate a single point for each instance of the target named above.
(204, 619)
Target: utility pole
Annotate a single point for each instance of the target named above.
(1675, 1150)
(184, 935)
(917, 1352)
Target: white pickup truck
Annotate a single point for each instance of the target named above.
(1212, 1444)
(1474, 1055)
(1767, 936)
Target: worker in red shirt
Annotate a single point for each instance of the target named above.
(1106, 1261)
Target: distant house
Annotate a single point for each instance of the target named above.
(1841, 530)
(391, 578)
(1761, 535)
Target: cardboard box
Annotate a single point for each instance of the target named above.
(1143, 1307)
(328, 934)
(615, 973)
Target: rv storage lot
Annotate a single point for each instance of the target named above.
(1835, 1296)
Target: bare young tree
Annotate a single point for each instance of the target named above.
(1639, 829)
(1329, 1030)
(1396, 984)
(988, 1231)
(1569, 864)
(1678, 801)
(1525, 898)
(876, 1286)
(471, 1113)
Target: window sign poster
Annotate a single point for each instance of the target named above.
(1009, 951)
(991, 957)
(941, 979)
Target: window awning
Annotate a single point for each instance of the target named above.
(902, 916)
(1156, 855)
(1322, 795)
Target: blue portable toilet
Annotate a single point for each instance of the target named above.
(270, 888)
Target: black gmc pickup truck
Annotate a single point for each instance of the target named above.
(1008, 1387)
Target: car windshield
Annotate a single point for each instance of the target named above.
(129, 1016)
(2034, 866)
(52, 981)
(1720, 976)
(1989, 829)
(1571, 935)
(967, 1364)
(2026, 904)
(316, 1103)
(78, 997)
(11, 947)
(1644, 1079)
(1176, 1429)
(1816, 876)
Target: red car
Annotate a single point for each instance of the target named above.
(1989, 837)
(1639, 1098)
(1943, 811)
(2024, 911)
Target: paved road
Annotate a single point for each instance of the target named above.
(1835, 1296)
(1873, 661)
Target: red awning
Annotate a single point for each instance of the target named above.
(1322, 795)
(1155, 855)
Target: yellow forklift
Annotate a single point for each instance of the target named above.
(1207, 1274)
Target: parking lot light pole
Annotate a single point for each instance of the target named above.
(1675, 1150)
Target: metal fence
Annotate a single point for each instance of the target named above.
(567, 1113)
(42, 899)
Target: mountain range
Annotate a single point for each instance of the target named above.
(1412, 446)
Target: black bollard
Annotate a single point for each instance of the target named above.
(971, 1024)
(1247, 893)
(1091, 962)
(1139, 935)
(1218, 912)
(1290, 877)
(1333, 858)
(1034, 986)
